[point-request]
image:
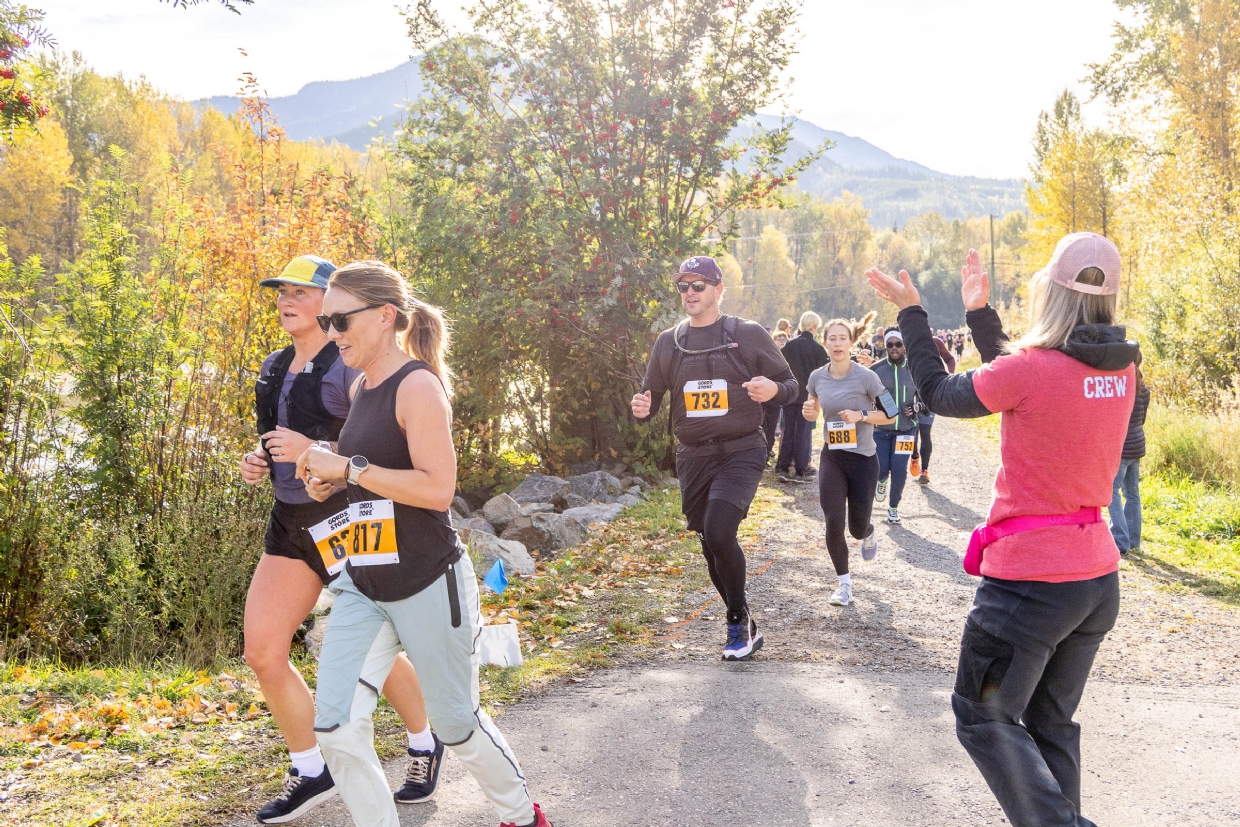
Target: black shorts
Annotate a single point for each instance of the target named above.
(288, 532)
(732, 478)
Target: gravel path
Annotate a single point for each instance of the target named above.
(844, 717)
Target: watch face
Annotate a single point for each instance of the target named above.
(359, 463)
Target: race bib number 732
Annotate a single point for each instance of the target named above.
(706, 397)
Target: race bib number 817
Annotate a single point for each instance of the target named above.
(374, 533)
(706, 397)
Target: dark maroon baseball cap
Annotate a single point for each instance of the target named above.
(703, 266)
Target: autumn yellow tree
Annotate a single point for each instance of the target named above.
(1072, 186)
(34, 173)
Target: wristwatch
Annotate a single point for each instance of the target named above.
(357, 465)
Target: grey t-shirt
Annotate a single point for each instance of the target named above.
(335, 391)
(855, 392)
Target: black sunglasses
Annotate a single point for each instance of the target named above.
(340, 321)
(698, 286)
(890, 345)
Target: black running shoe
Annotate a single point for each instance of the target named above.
(299, 796)
(807, 473)
(421, 775)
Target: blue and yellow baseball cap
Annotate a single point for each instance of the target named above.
(304, 271)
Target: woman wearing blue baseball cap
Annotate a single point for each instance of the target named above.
(302, 396)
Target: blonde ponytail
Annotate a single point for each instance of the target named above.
(423, 330)
(426, 338)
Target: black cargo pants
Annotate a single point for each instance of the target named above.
(1027, 650)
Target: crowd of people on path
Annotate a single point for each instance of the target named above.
(354, 424)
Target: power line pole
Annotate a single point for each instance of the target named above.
(994, 279)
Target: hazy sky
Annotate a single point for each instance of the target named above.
(953, 84)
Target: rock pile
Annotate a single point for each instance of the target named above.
(544, 515)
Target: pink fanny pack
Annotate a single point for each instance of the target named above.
(984, 534)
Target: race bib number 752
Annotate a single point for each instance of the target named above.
(706, 397)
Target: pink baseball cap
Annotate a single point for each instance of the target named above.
(1079, 251)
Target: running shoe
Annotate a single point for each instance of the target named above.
(789, 477)
(807, 473)
(880, 493)
(842, 596)
(421, 775)
(540, 820)
(743, 640)
(924, 478)
(869, 546)
(299, 796)
(893, 515)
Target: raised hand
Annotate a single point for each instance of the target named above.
(902, 293)
(974, 283)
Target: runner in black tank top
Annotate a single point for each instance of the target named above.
(302, 395)
(404, 579)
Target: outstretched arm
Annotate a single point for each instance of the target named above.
(983, 320)
(943, 393)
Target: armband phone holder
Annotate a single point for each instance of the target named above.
(888, 405)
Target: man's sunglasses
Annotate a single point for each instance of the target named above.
(340, 321)
(698, 286)
(890, 345)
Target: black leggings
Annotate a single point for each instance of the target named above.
(724, 559)
(925, 445)
(846, 483)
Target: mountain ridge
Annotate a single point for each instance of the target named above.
(353, 112)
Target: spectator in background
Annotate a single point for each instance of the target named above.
(1126, 515)
(772, 413)
(804, 355)
(785, 327)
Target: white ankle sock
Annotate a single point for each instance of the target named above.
(308, 763)
(845, 579)
(422, 741)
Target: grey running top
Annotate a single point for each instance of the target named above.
(855, 392)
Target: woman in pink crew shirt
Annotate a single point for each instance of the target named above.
(1050, 585)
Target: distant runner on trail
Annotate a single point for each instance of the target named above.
(719, 370)
(896, 440)
(845, 392)
(1050, 588)
(302, 395)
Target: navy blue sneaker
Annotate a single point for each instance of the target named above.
(422, 775)
(743, 640)
(299, 796)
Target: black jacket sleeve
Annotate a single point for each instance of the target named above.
(943, 393)
(769, 361)
(987, 330)
(655, 381)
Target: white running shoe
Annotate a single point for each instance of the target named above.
(880, 493)
(893, 515)
(869, 546)
(842, 596)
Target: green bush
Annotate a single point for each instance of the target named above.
(1194, 445)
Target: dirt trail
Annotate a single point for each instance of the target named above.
(844, 717)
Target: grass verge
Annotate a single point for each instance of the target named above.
(163, 746)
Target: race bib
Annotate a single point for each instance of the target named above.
(840, 435)
(334, 537)
(905, 444)
(706, 397)
(374, 533)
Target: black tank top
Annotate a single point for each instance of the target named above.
(425, 540)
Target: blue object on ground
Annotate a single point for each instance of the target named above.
(496, 580)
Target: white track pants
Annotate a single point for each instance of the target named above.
(358, 651)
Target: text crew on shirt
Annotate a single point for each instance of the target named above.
(1099, 387)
